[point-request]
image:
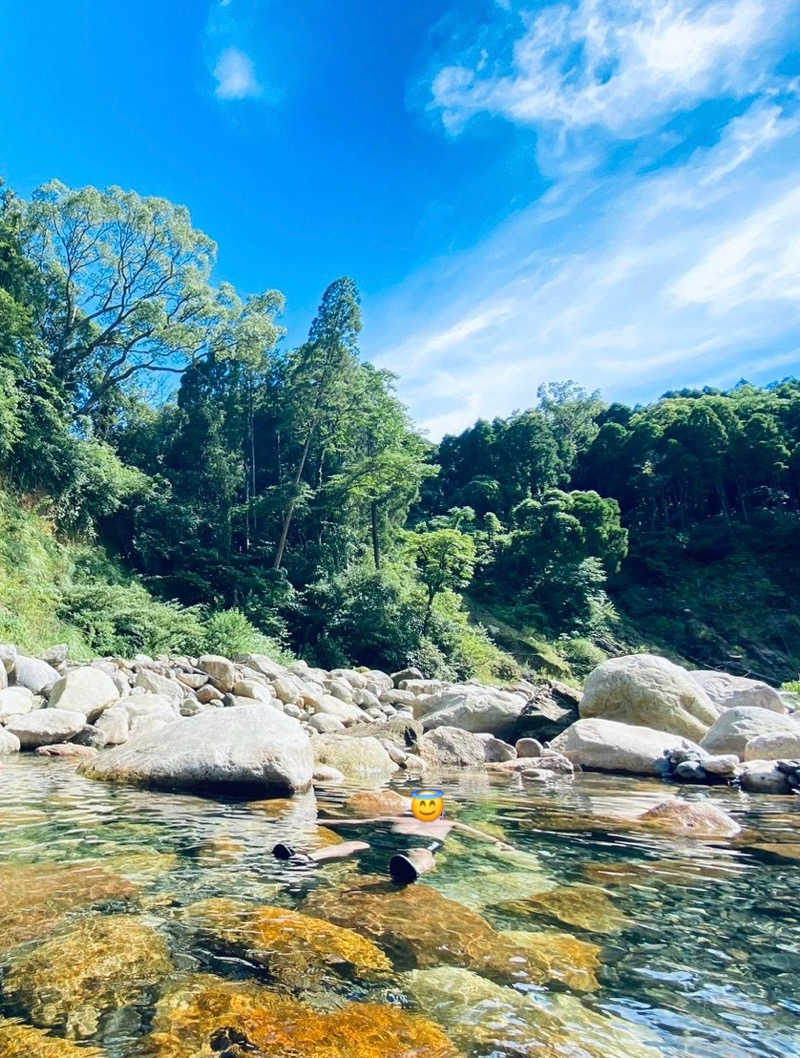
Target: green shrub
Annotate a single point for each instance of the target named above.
(229, 632)
(582, 654)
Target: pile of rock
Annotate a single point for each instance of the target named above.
(251, 722)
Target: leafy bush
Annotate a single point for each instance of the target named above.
(229, 632)
(582, 654)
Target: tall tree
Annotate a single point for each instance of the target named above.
(318, 378)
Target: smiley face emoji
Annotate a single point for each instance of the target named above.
(427, 805)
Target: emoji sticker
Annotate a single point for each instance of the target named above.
(427, 805)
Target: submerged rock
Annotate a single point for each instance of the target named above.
(244, 748)
(67, 751)
(295, 949)
(701, 819)
(648, 691)
(71, 981)
(378, 803)
(205, 1016)
(584, 906)
(491, 1018)
(23, 1041)
(563, 959)
(416, 926)
(33, 897)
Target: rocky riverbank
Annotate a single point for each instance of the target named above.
(252, 725)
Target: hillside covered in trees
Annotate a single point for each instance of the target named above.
(174, 478)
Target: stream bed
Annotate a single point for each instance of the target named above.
(133, 925)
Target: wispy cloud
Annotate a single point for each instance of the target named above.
(602, 64)
(634, 284)
(235, 76)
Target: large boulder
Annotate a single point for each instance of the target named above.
(763, 776)
(150, 682)
(43, 727)
(346, 712)
(730, 692)
(246, 748)
(33, 673)
(607, 745)
(85, 690)
(17, 700)
(550, 709)
(648, 691)
(356, 757)
(450, 746)
(736, 727)
(472, 708)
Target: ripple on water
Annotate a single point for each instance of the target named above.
(597, 937)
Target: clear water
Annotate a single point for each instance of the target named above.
(706, 965)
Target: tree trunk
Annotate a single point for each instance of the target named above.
(287, 520)
(376, 547)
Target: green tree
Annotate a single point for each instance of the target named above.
(318, 377)
(445, 560)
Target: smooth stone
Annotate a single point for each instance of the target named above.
(14, 700)
(702, 819)
(608, 745)
(528, 747)
(9, 743)
(345, 712)
(114, 725)
(648, 691)
(730, 692)
(763, 776)
(24, 1041)
(67, 751)
(221, 670)
(243, 748)
(781, 746)
(736, 727)
(584, 906)
(495, 750)
(357, 757)
(153, 683)
(34, 674)
(472, 708)
(86, 690)
(452, 747)
(45, 726)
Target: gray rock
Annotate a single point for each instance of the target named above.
(153, 683)
(341, 689)
(16, 700)
(406, 674)
(453, 747)
(113, 725)
(736, 727)
(263, 664)
(731, 692)
(723, 765)
(780, 746)
(208, 694)
(495, 750)
(607, 745)
(253, 689)
(221, 670)
(648, 691)
(325, 724)
(8, 654)
(346, 712)
(191, 706)
(547, 767)
(243, 749)
(34, 674)
(528, 747)
(45, 726)
(9, 743)
(85, 690)
(55, 655)
(763, 776)
(67, 750)
(362, 758)
(690, 771)
(473, 708)
(550, 709)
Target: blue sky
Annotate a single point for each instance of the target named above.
(605, 191)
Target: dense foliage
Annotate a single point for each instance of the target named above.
(244, 489)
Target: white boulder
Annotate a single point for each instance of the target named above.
(85, 690)
(730, 692)
(736, 727)
(43, 727)
(607, 745)
(648, 691)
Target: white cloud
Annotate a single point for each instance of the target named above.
(636, 284)
(235, 76)
(619, 67)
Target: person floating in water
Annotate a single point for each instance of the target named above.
(404, 867)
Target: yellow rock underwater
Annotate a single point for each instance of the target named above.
(204, 1015)
(563, 959)
(97, 966)
(21, 1041)
(296, 949)
(584, 906)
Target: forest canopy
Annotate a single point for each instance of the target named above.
(254, 488)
